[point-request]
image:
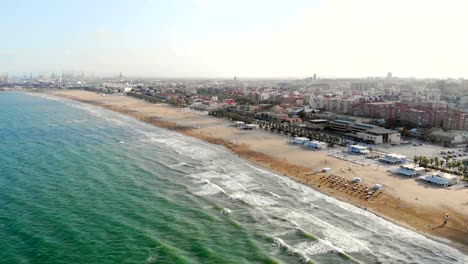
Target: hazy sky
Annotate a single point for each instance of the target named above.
(245, 38)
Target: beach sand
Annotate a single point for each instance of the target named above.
(405, 201)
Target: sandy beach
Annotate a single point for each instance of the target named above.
(402, 200)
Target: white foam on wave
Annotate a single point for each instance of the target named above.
(254, 199)
(233, 185)
(278, 242)
(178, 164)
(45, 96)
(274, 194)
(313, 248)
(184, 146)
(76, 121)
(241, 177)
(338, 239)
(226, 211)
(207, 175)
(209, 188)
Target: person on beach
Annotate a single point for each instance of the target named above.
(446, 219)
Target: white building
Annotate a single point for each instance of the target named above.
(316, 102)
(440, 178)
(409, 170)
(299, 140)
(356, 149)
(339, 105)
(238, 124)
(394, 159)
(316, 145)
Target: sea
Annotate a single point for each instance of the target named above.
(81, 184)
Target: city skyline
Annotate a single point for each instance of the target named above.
(222, 39)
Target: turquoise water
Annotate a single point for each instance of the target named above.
(79, 184)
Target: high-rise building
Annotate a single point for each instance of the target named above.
(4, 77)
(464, 86)
(389, 75)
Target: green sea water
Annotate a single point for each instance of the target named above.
(79, 184)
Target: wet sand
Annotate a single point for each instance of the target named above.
(407, 202)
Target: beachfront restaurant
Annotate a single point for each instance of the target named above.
(393, 159)
(299, 140)
(357, 149)
(316, 145)
(409, 170)
(440, 178)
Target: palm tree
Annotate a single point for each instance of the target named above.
(442, 162)
(419, 159)
(415, 159)
(424, 161)
(450, 164)
(436, 161)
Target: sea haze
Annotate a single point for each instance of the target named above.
(80, 184)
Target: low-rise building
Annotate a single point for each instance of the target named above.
(409, 170)
(340, 125)
(316, 124)
(365, 132)
(451, 137)
(440, 178)
(299, 140)
(394, 158)
(357, 149)
(316, 145)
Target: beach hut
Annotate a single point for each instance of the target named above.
(299, 140)
(409, 170)
(394, 158)
(440, 178)
(357, 149)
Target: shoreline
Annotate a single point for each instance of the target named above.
(399, 211)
